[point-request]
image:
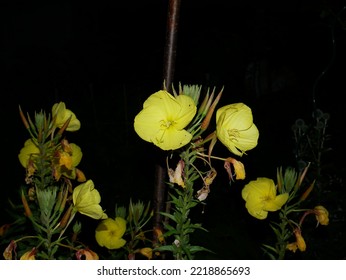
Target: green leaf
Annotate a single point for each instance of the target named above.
(195, 249)
(276, 231)
(169, 248)
(169, 227)
(170, 232)
(169, 216)
(271, 248)
(192, 204)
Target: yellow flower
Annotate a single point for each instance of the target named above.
(322, 215)
(109, 233)
(86, 200)
(163, 119)
(260, 196)
(28, 152)
(62, 115)
(235, 128)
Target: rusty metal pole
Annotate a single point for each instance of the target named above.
(171, 42)
(168, 75)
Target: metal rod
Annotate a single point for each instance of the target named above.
(168, 76)
(171, 42)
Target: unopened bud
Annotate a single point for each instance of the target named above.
(27, 209)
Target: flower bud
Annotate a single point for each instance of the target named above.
(307, 192)
(9, 249)
(211, 110)
(65, 218)
(3, 229)
(24, 120)
(27, 209)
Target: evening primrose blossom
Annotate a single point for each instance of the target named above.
(86, 200)
(109, 233)
(235, 128)
(260, 196)
(29, 151)
(62, 114)
(163, 119)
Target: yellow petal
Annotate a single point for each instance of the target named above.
(237, 115)
(109, 233)
(76, 154)
(147, 125)
(172, 139)
(277, 203)
(29, 150)
(93, 211)
(248, 139)
(186, 112)
(259, 187)
(62, 115)
(120, 226)
(258, 213)
(86, 200)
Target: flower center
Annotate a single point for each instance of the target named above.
(233, 134)
(166, 124)
(266, 199)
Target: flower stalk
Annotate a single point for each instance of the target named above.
(176, 123)
(50, 199)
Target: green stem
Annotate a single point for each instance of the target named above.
(282, 239)
(186, 202)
